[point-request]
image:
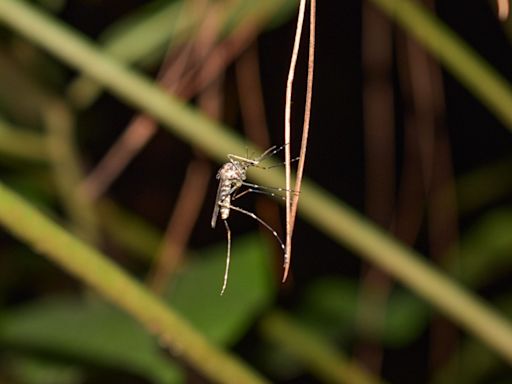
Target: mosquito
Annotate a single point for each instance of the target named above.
(231, 178)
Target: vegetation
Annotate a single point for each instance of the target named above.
(144, 303)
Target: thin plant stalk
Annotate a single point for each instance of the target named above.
(305, 128)
(323, 210)
(503, 9)
(21, 143)
(287, 136)
(66, 167)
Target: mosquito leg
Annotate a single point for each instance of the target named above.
(228, 257)
(256, 191)
(250, 214)
(267, 188)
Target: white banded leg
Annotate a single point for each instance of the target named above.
(262, 190)
(228, 258)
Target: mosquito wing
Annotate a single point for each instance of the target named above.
(216, 208)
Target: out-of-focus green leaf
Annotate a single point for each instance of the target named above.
(196, 292)
(92, 331)
(31, 370)
(406, 317)
(484, 185)
(485, 249)
(330, 307)
(282, 14)
(278, 361)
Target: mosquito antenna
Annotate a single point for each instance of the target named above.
(275, 165)
(228, 257)
(271, 151)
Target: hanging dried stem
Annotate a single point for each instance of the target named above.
(503, 9)
(287, 135)
(291, 208)
(307, 112)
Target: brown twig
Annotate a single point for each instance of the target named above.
(503, 9)
(379, 133)
(181, 223)
(251, 98)
(199, 77)
(287, 135)
(291, 211)
(135, 137)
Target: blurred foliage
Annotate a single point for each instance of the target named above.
(88, 330)
(54, 334)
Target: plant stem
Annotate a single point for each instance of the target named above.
(66, 168)
(455, 54)
(29, 225)
(320, 208)
(21, 143)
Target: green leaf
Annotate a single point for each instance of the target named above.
(485, 250)
(196, 293)
(331, 307)
(31, 370)
(406, 317)
(90, 331)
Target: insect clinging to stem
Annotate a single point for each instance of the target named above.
(232, 176)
